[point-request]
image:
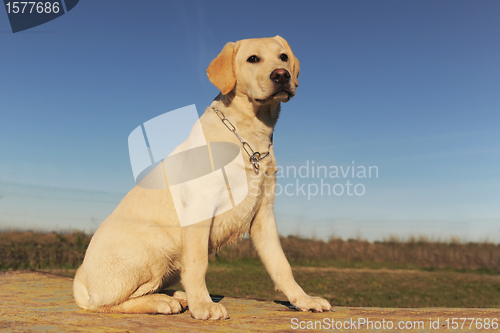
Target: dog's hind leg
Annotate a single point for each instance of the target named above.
(151, 303)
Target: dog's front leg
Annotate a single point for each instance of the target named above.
(194, 268)
(264, 233)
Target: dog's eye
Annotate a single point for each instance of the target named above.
(284, 57)
(253, 59)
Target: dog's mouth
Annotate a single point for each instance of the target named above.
(281, 94)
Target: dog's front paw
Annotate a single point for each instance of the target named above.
(208, 310)
(315, 304)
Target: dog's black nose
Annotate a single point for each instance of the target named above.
(280, 76)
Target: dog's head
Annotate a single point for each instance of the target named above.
(263, 69)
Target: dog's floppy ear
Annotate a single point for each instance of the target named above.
(221, 71)
(295, 62)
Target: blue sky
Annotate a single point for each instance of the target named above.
(411, 87)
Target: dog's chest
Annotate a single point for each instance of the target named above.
(233, 224)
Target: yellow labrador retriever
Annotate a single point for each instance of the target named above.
(141, 247)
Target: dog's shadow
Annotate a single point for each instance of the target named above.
(287, 304)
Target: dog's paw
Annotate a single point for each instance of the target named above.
(315, 304)
(208, 310)
(168, 305)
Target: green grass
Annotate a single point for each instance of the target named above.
(361, 287)
(217, 262)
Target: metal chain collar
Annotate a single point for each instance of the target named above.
(255, 156)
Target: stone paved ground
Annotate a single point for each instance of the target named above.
(39, 302)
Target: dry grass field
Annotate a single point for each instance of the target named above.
(393, 273)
